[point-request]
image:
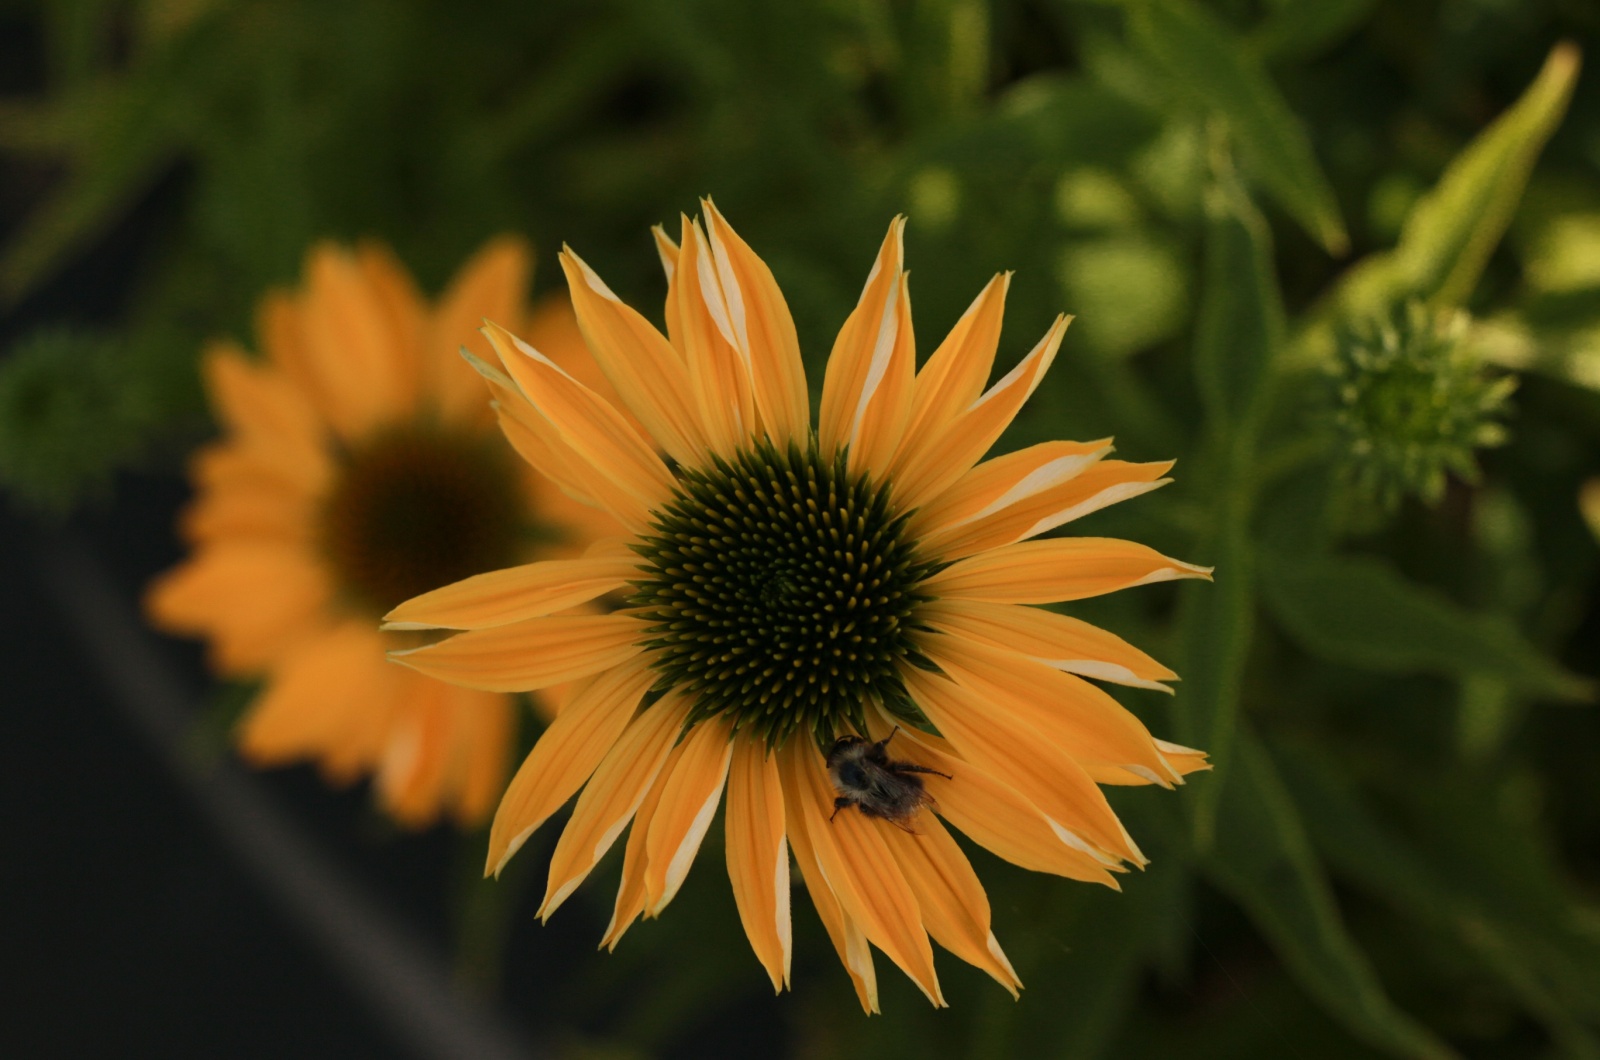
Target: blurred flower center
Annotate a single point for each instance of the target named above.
(778, 591)
(418, 507)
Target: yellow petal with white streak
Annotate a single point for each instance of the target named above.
(586, 422)
(647, 372)
(719, 371)
(1046, 773)
(1067, 568)
(528, 655)
(612, 796)
(954, 451)
(853, 854)
(954, 376)
(564, 757)
(764, 331)
(758, 856)
(501, 597)
(1066, 643)
(848, 940)
(688, 802)
(866, 392)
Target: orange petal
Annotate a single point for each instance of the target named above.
(719, 370)
(991, 812)
(500, 597)
(1007, 746)
(954, 907)
(240, 512)
(485, 730)
(1066, 643)
(1108, 482)
(253, 599)
(1066, 568)
(853, 854)
(263, 406)
(631, 898)
(866, 391)
(688, 802)
(758, 856)
(414, 767)
(998, 483)
(587, 423)
(246, 463)
(612, 796)
(536, 441)
(588, 726)
(669, 264)
(534, 653)
(648, 374)
(763, 330)
(952, 452)
(490, 286)
(306, 705)
(364, 372)
(1096, 730)
(1184, 760)
(854, 952)
(954, 376)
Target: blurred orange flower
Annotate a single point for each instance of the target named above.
(358, 467)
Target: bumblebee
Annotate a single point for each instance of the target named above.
(867, 778)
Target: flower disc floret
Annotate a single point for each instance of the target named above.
(778, 591)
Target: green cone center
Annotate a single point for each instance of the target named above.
(417, 507)
(778, 589)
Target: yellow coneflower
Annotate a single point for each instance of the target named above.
(359, 466)
(795, 593)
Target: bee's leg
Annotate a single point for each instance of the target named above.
(838, 804)
(907, 767)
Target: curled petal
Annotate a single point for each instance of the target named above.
(1068, 568)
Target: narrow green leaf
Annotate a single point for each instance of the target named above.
(1264, 861)
(1300, 29)
(1451, 231)
(1217, 623)
(1358, 611)
(1239, 329)
(1536, 961)
(1207, 60)
(1241, 314)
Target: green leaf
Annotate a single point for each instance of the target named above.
(1537, 961)
(1451, 231)
(1205, 59)
(1239, 329)
(1216, 623)
(1358, 611)
(1264, 861)
(1300, 29)
(1241, 315)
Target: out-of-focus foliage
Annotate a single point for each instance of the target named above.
(1405, 813)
